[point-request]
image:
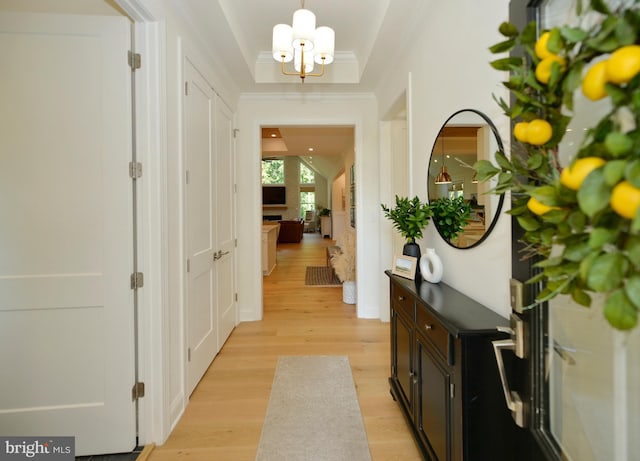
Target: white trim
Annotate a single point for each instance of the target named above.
(152, 152)
(410, 157)
(151, 144)
(137, 10)
(294, 96)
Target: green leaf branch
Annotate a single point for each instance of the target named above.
(409, 217)
(582, 243)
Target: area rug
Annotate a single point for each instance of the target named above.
(321, 276)
(313, 413)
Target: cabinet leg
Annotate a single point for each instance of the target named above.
(392, 395)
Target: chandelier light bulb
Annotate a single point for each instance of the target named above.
(281, 45)
(324, 46)
(308, 61)
(304, 29)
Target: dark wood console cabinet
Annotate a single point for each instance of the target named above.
(444, 373)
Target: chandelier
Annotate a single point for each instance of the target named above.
(303, 44)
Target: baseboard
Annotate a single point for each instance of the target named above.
(146, 452)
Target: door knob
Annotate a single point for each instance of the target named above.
(512, 398)
(219, 254)
(516, 344)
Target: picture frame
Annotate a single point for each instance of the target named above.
(404, 266)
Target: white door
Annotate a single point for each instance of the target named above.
(225, 224)
(66, 306)
(199, 145)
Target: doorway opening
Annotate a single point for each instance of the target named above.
(317, 163)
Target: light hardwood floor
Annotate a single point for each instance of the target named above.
(223, 420)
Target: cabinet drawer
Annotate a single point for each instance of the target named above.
(403, 301)
(432, 329)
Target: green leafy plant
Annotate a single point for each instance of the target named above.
(582, 221)
(450, 216)
(409, 217)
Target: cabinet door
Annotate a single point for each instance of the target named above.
(402, 340)
(434, 400)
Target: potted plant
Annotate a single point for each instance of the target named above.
(450, 216)
(409, 217)
(344, 264)
(581, 220)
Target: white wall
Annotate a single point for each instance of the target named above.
(359, 111)
(448, 70)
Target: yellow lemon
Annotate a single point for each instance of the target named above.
(541, 46)
(623, 64)
(539, 208)
(539, 132)
(594, 81)
(625, 199)
(573, 176)
(520, 131)
(543, 69)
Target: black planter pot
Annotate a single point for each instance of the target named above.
(413, 249)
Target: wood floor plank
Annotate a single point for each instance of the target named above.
(224, 418)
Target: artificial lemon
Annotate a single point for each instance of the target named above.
(623, 64)
(573, 176)
(520, 131)
(541, 46)
(594, 81)
(625, 199)
(539, 132)
(539, 208)
(543, 69)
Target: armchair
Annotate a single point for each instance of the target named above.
(310, 221)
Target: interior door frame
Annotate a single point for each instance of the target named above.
(529, 376)
(152, 252)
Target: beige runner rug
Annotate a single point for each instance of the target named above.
(313, 413)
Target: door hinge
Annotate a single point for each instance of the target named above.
(188, 265)
(186, 176)
(137, 280)
(134, 60)
(135, 170)
(188, 354)
(138, 391)
(236, 243)
(235, 132)
(452, 390)
(186, 88)
(236, 297)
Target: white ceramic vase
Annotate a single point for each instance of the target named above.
(431, 266)
(349, 292)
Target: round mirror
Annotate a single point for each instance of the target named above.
(466, 137)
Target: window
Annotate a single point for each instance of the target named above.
(307, 175)
(307, 190)
(307, 202)
(273, 171)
